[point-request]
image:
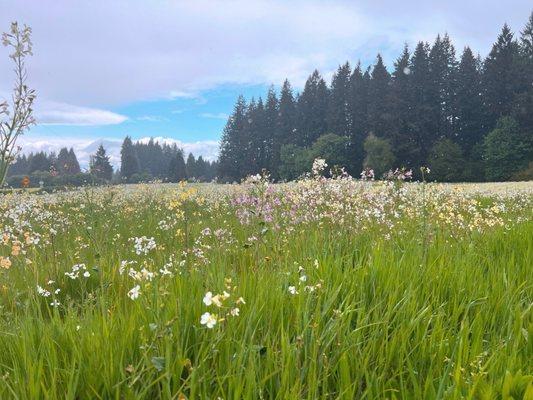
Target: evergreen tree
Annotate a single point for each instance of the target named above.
(470, 124)
(191, 166)
(177, 170)
(359, 87)
(270, 133)
(286, 131)
(442, 87)
(99, 165)
(129, 163)
(523, 101)
(202, 169)
(63, 161)
(312, 110)
(39, 162)
(73, 164)
(233, 144)
(401, 98)
(422, 116)
(20, 166)
(500, 77)
(339, 115)
(379, 110)
(251, 140)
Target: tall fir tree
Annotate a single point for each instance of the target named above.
(422, 116)
(73, 164)
(286, 131)
(523, 101)
(339, 115)
(191, 166)
(401, 138)
(177, 170)
(233, 144)
(99, 165)
(359, 91)
(257, 149)
(312, 110)
(129, 162)
(379, 105)
(62, 163)
(500, 78)
(271, 133)
(442, 86)
(470, 125)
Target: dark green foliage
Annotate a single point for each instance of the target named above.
(295, 161)
(445, 160)
(379, 104)
(99, 166)
(234, 145)
(40, 162)
(287, 116)
(500, 76)
(312, 110)
(334, 149)
(339, 114)
(177, 170)
(401, 137)
(359, 86)
(507, 150)
(129, 162)
(379, 155)
(471, 115)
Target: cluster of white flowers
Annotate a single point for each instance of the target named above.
(142, 275)
(166, 224)
(77, 270)
(302, 279)
(319, 165)
(43, 292)
(209, 319)
(124, 264)
(143, 244)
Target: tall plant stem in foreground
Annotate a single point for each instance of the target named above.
(18, 116)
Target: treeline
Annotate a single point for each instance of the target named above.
(61, 169)
(148, 161)
(140, 162)
(48, 169)
(466, 118)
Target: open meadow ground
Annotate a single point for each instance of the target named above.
(319, 289)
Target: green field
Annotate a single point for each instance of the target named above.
(320, 289)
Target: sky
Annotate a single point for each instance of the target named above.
(172, 70)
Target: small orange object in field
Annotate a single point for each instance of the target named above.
(25, 182)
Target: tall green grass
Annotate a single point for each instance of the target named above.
(397, 317)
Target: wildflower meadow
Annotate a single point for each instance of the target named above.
(323, 288)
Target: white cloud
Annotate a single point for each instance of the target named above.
(150, 118)
(53, 113)
(83, 148)
(114, 52)
(221, 115)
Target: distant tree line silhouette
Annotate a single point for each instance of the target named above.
(140, 162)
